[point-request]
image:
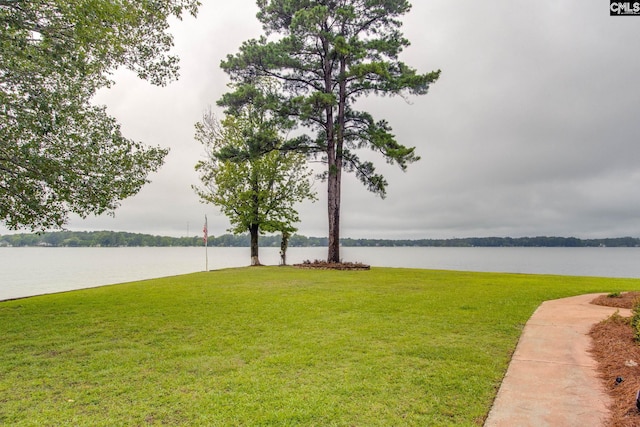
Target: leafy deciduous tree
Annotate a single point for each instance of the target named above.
(58, 152)
(326, 54)
(257, 193)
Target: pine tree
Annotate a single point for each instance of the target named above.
(326, 54)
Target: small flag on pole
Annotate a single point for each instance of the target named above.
(205, 230)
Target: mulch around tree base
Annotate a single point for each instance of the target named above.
(618, 358)
(323, 265)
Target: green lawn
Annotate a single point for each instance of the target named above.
(271, 346)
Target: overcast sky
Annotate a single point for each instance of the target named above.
(531, 130)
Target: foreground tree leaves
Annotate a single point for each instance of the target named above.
(256, 191)
(59, 154)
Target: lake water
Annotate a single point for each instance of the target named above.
(34, 271)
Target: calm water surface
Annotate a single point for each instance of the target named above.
(35, 271)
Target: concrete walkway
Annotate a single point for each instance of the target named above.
(552, 379)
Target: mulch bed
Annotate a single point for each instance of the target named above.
(323, 265)
(623, 300)
(618, 357)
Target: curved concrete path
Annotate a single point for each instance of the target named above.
(552, 378)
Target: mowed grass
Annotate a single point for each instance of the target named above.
(271, 346)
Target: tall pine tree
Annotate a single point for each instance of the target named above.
(326, 54)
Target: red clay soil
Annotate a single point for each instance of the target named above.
(618, 357)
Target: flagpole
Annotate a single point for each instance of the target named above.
(206, 245)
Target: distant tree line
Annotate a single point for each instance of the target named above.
(95, 239)
(124, 239)
(118, 239)
(540, 241)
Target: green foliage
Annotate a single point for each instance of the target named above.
(540, 241)
(59, 153)
(635, 321)
(97, 238)
(119, 238)
(327, 56)
(256, 189)
(271, 346)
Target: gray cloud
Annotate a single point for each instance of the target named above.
(531, 130)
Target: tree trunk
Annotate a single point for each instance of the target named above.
(333, 193)
(284, 244)
(334, 161)
(335, 170)
(253, 230)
